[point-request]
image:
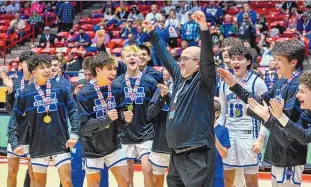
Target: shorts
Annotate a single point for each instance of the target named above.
(240, 155)
(219, 182)
(160, 161)
(136, 151)
(94, 165)
(11, 154)
(279, 177)
(40, 165)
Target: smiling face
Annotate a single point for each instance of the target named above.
(55, 66)
(189, 61)
(143, 59)
(304, 96)
(107, 73)
(283, 66)
(42, 73)
(130, 57)
(239, 64)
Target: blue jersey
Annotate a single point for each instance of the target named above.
(222, 135)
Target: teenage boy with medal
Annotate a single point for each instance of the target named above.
(190, 126)
(137, 90)
(18, 130)
(283, 152)
(47, 105)
(245, 139)
(98, 101)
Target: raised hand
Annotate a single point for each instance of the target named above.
(260, 110)
(113, 114)
(276, 108)
(7, 81)
(199, 17)
(100, 34)
(71, 143)
(128, 116)
(226, 76)
(147, 25)
(163, 89)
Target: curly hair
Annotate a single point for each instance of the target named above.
(26, 55)
(291, 49)
(305, 79)
(240, 50)
(227, 42)
(38, 60)
(101, 60)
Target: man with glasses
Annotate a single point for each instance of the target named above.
(190, 131)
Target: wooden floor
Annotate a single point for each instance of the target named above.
(53, 180)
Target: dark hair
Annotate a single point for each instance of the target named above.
(241, 50)
(37, 60)
(99, 61)
(230, 41)
(144, 47)
(291, 49)
(305, 79)
(54, 57)
(217, 106)
(86, 62)
(26, 55)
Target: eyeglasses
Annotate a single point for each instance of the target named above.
(185, 59)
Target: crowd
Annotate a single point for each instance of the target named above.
(207, 126)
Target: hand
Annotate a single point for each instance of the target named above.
(19, 151)
(147, 25)
(7, 82)
(77, 89)
(226, 76)
(257, 147)
(113, 114)
(199, 17)
(100, 34)
(260, 110)
(128, 116)
(163, 89)
(276, 108)
(71, 143)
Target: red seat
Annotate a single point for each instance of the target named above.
(117, 51)
(288, 33)
(51, 50)
(262, 11)
(3, 36)
(37, 50)
(5, 22)
(233, 11)
(118, 41)
(63, 34)
(3, 29)
(76, 27)
(274, 11)
(115, 33)
(275, 23)
(85, 21)
(96, 20)
(97, 12)
(87, 27)
(90, 33)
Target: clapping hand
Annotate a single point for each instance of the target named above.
(260, 110)
(276, 108)
(226, 76)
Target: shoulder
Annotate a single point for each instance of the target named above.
(149, 79)
(119, 79)
(87, 89)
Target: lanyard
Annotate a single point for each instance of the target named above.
(293, 76)
(179, 90)
(132, 92)
(305, 25)
(46, 98)
(47, 38)
(101, 97)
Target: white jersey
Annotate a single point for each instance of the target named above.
(233, 112)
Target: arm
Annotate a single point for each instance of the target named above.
(73, 115)
(223, 151)
(155, 108)
(223, 103)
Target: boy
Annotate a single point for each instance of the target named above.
(18, 137)
(46, 104)
(99, 118)
(222, 143)
(57, 73)
(245, 138)
(160, 152)
(289, 56)
(138, 89)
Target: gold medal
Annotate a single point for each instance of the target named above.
(130, 107)
(237, 112)
(47, 119)
(107, 127)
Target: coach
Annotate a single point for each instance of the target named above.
(191, 116)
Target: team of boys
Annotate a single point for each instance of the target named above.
(122, 119)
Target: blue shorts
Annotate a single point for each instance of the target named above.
(219, 182)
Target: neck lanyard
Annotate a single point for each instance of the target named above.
(47, 37)
(288, 4)
(132, 92)
(23, 84)
(305, 25)
(101, 97)
(293, 76)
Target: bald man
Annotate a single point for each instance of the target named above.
(189, 127)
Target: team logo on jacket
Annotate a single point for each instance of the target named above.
(140, 96)
(17, 92)
(40, 105)
(98, 108)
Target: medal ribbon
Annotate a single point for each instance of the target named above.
(293, 76)
(132, 92)
(100, 95)
(46, 98)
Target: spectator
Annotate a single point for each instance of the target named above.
(65, 17)
(262, 24)
(38, 7)
(227, 28)
(47, 39)
(121, 8)
(168, 7)
(128, 29)
(27, 10)
(72, 35)
(36, 22)
(108, 5)
(57, 6)
(213, 12)
(141, 36)
(135, 14)
(195, 6)
(190, 31)
(288, 5)
(122, 16)
(130, 40)
(265, 50)
(13, 7)
(153, 16)
(100, 34)
(304, 24)
(291, 20)
(83, 39)
(74, 64)
(252, 50)
(252, 14)
(3, 10)
(226, 5)
(181, 10)
(107, 17)
(173, 26)
(217, 54)
(271, 76)
(17, 25)
(162, 12)
(184, 44)
(245, 28)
